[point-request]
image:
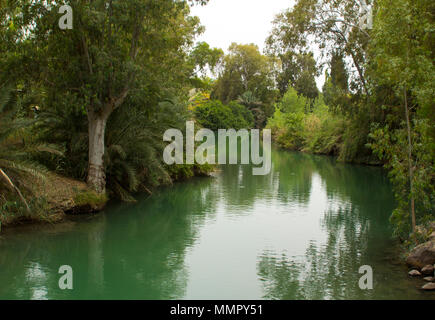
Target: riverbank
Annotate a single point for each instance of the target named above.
(421, 259)
(56, 197)
(53, 198)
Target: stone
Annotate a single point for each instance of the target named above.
(430, 279)
(432, 236)
(422, 255)
(427, 270)
(414, 273)
(429, 286)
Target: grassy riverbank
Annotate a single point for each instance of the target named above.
(50, 199)
(53, 197)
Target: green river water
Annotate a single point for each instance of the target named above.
(301, 232)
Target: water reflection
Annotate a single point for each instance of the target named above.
(301, 232)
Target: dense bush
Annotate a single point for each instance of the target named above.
(294, 128)
(214, 115)
(390, 144)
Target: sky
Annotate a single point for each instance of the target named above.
(241, 21)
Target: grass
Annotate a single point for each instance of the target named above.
(90, 198)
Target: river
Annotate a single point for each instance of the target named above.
(301, 232)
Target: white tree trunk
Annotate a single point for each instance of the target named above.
(96, 172)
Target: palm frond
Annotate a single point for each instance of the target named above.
(28, 167)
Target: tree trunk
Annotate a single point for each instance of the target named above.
(411, 169)
(96, 172)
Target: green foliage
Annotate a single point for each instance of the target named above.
(256, 107)
(328, 138)
(120, 60)
(245, 69)
(134, 147)
(292, 136)
(297, 70)
(336, 88)
(135, 50)
(18, 147)
(65, 124)
(391, 146)
(331, 24)
(214, 115)
(320, 132)
(243, 117)
(90, 198)
(402, 62)
(183, 172)
(202, 56)
(14, 211)
(292, 102)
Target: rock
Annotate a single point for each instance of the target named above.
(429, 286)
(429, 279)
(432, 236)
(414, 273)
(422, 255)
(428, 270)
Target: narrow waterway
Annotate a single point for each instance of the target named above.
(301, 232)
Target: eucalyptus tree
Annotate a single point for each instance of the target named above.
(114, 50)
(203, 57)
(336, 88)
(298, 70)
(331, 24)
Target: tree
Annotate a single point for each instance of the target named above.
(245, 69)
(403, 60)
(298, 70)
(214, 115)
(114, 50)
(255, 106)
(332, 24)
(336, 87)
(203, 57)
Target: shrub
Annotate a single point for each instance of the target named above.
(214, 115)
(90, 198)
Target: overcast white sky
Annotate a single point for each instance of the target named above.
(241, 21)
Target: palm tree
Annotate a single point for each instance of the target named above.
(17, 147)
(134, 146)
(251, 102)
